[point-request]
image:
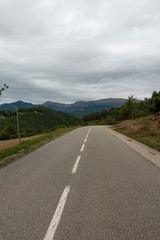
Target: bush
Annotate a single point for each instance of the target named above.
(4, 136)
(9, 132)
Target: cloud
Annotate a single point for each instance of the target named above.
(79, 50)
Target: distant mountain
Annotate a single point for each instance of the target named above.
(82, 108)
(14, 105)
(79, 109)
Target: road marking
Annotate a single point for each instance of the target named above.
(76, 164)
(87, 136)
(85, 140)
(89, 131)
(57, 215)
(82, 148)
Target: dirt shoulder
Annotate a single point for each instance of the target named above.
(147, 152)
(145, 130)
(5, 144)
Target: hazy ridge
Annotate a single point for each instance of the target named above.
(79, 108)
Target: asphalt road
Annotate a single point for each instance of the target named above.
(84, 185)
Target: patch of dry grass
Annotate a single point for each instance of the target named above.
(145, 130)
(5, 144)
(28, 145)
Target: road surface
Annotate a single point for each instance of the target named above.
(87, 184)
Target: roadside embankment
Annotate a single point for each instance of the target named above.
(145, 130)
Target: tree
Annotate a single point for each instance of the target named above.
(131, 102)
(154, 94)
(156, 104)
(8, 132)
(103, 113)
(129, 107)
(4, 87)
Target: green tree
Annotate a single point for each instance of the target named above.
(8, 132)
(129, 107)
(157, 104)
(4, 87)
(155, 94)
(103, 113)
(130, 103)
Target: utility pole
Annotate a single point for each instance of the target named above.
(19, 137)
(132, 114)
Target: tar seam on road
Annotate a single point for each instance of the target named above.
(57, 215)
(76, 164)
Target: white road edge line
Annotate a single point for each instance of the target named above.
(76, 164)
(82, 148)
(57, 215)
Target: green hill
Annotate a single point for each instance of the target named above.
(33, 120)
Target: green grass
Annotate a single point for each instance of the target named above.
(150, 141)
(11, 154)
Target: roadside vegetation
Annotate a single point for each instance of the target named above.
(33, 121)
(38, 120)
(132, 109)
(136, 119)
(145, 130)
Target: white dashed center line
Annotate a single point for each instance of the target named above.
(57, 215)
(76, 164)
(82, 148)
(59, 210)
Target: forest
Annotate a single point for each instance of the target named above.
(132, 109)
(32, 121)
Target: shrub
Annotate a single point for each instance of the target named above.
(9, 132)
(4, 136)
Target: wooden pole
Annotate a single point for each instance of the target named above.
(132, 114)
(19, 137)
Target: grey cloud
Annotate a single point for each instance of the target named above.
(72, 50)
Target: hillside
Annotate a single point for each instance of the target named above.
(34, 120)
(82, 108)
(145, 130)
(132, 109)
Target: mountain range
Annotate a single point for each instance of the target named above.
(79, 109)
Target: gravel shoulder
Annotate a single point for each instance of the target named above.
(149, 153)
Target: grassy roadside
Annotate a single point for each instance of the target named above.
(11, 154)
(145, 130)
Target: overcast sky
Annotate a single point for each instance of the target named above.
(71, 50)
